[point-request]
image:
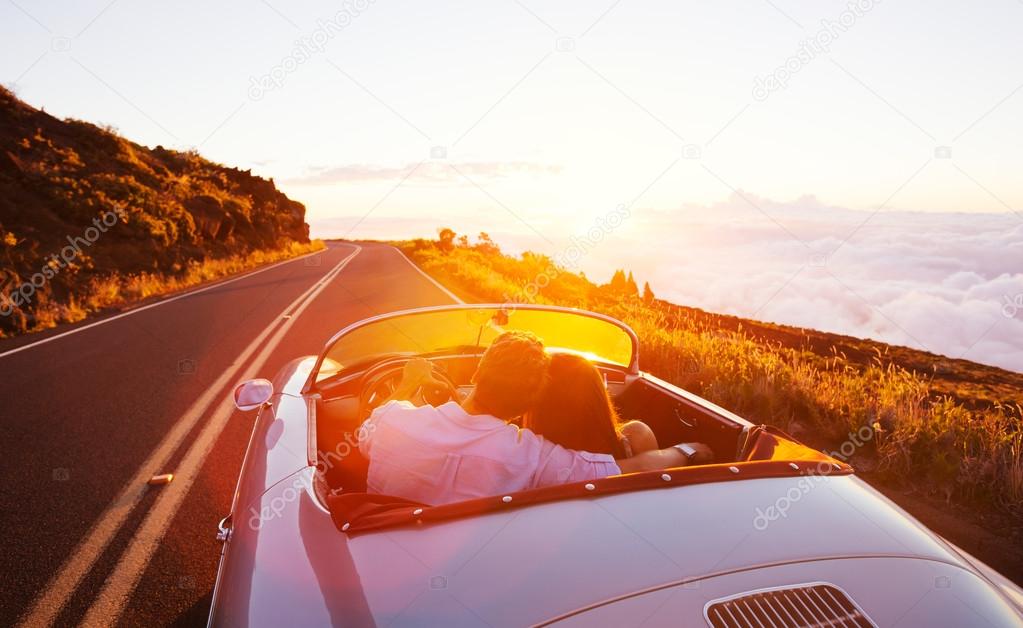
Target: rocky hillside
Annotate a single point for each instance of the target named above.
(84, 210)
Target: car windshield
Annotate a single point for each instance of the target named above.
(472, 329)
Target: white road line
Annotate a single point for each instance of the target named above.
(432, 280)
(155, 304)
(63, 585)
(107, 608)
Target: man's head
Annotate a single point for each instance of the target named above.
(510, 374)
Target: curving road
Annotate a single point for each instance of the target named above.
(91, 411)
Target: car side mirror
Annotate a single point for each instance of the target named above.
(252, 394)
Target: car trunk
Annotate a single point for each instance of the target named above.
(589, 560)
(863, 591)
(536, 563)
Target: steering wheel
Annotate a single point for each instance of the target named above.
(380, 383)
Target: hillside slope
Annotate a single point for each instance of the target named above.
(89, 219)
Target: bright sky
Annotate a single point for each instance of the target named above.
(550, 112)
(531, 120)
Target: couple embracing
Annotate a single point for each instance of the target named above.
(460, 450)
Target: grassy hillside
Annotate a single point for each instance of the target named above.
(946, 428)
(90, 220)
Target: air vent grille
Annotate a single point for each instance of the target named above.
(816, 604)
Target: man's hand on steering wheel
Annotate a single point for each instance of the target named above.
(420, 386)
(416, 371)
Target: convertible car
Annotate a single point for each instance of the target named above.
(773, 533)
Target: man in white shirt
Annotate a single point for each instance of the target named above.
(459, 451)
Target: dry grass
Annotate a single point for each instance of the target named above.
(970, 453)
(116, 291)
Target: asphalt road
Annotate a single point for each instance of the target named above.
(83, 411)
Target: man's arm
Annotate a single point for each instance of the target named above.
(665, 458)
(414, 374)
(417, 373)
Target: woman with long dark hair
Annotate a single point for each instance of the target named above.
(575, 411)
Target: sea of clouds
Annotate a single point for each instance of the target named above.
(947, 283)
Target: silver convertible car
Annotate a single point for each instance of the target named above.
(773, 534)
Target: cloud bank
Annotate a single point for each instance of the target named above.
(948, 283)
(426, 172)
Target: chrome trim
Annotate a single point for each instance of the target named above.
(224, 529)
(311, 452)
(816, 615)
(632, 368)
(682, 419)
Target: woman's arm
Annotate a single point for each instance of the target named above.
(665, 458)
(640, 437)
